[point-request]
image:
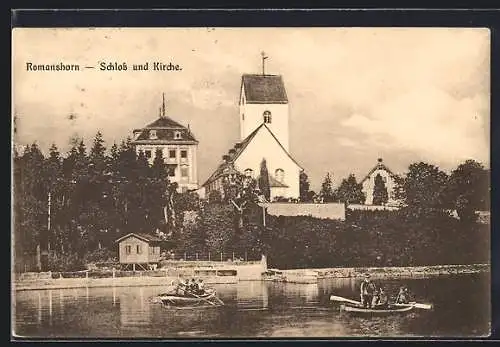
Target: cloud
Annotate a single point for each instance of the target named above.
(355, 94)
(429, 121)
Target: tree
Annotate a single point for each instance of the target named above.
(423, 186)
(305, 194)
(326, 193)
(468, 190)
(264, 186)
(350, 191)
(380, 195)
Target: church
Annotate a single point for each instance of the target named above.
(264, 135)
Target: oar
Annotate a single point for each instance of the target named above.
(341, 299)
(199, 297)
(422, 306)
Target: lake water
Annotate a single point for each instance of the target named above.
(255, 309)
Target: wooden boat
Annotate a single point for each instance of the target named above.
(355, 303)
(400, 308)
(173, 299)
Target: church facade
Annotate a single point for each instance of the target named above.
(178, 146)
(387, 176)
(264, 135)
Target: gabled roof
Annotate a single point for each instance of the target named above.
(379, 166)
(165, 129)
(144, 237)
(239, 149)
(264, 89)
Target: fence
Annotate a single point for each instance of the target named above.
(26, 262)
(224, 256)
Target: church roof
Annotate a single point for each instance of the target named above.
(238, 149)
(165, 129)
(380, 166)
(264, 89)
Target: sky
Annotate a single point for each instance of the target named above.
(355, 94)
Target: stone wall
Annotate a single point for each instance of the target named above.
(323, 211)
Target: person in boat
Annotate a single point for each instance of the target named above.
(367, 289)
(403, 296)
(380, 300)
(193, 286)
(201, 287)
(183, 287)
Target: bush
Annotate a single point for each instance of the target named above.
(101, 255)
(407, 237)
(65, 262)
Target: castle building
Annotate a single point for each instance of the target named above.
(178, 146)
(264, 134)
(388, 177)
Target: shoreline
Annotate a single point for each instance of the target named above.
(323, 273)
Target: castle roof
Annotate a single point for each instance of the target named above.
(264, 89)
(166, 129)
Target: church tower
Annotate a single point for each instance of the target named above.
(263, 99)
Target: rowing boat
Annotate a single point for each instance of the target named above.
(169, 299)
(391, 309)
(336, 298)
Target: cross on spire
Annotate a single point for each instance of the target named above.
(264, 57)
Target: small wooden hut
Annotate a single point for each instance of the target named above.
(139, 249)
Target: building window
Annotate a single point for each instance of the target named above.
(172, 153)
(267, 117)
(153, 135)
(147, 153)
(171, 171)
(249, 172)
(184, 154)
(243, 116)
(384, 179)
(139, 249)
(279, 174)
(177, 135)
(128, 249)
(184, 171)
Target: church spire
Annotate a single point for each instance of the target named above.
(264, 57)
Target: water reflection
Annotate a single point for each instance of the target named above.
(133, 310)
(253, 309)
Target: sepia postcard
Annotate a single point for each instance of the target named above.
(257, 182)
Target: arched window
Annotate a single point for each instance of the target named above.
(267, 116)
(279, 174)
(249, 172)
(153, 135)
